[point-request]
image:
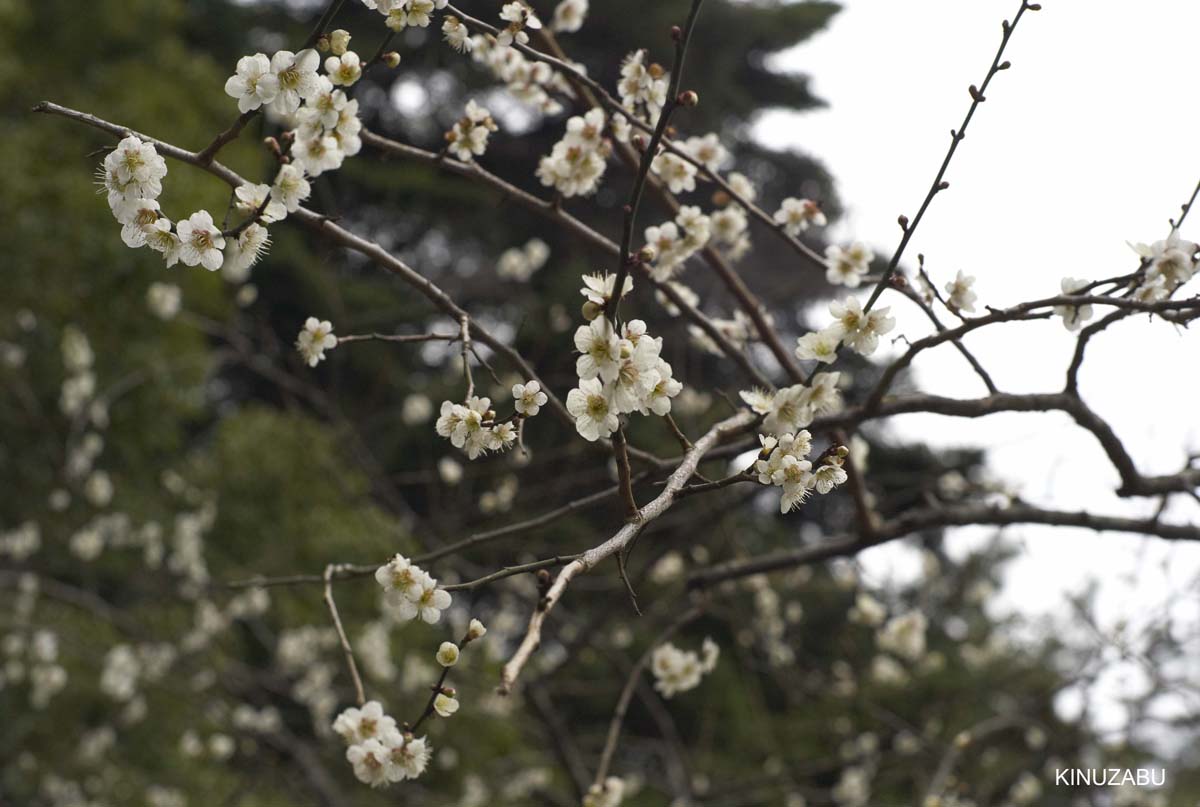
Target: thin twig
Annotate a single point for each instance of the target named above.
(341, 633)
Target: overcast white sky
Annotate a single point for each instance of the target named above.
(1088, 141)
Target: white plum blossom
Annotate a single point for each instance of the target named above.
(959, 294)
(569, 16)
(475, 630)
(676, 172)
(457, 35)
(357, 725)
(867, 611)
(445, 705)
(904, 635)
(678, 670)
(370, 760)
(797, 215)
(598, 290)
(160, 238)
(409, 758)
(318, 154)
(339, 41)
(244, 251)
(601, 348)
(847, 266)
(254, 84)
(1073, 316)
(707, 150)
(666, 389)
(741, 185)
(447, 654)
(1168, 264)
(519, 16)
(250, 199)
(468, 137)
(290, 188)
(314, 339)
(296, 74)
(820, 345)
(345, 69)
(608, 794)
(528, 398)
(200, 241)
(592, 407)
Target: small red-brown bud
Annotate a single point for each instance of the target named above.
(323, 43)
(391, 59)
(688, 98)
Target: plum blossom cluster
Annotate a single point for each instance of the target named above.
(783, 462)
(410, 592)
(846, 266)
(792, 408)
(33, 657)
(577, 162)
(533, 83)
(678, 670)
(468, 138)
(132, 175)
(473, 426)
(401, 14)
(673, 242)
(643, 87)
(520, 263)
(904, 635)
(1166, 265)
(857, 329)
(619, 373)
(797, 215)
(378, 750)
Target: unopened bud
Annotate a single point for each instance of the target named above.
(391, 58)
(962, 739)
(902, 221)
(842, 452)
(647, 253)
(475, 630)
(688, 98)
(339, 41)
(676, 33)
(323, 43)
(591, 310)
